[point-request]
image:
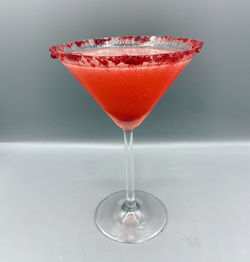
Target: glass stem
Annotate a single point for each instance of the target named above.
(130, 203)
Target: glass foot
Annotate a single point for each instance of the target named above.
(118, 223)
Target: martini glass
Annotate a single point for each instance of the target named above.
(127, 76)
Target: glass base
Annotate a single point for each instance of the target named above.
(118, 223)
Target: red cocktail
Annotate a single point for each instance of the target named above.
(127, 76)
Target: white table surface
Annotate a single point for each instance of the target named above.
(49, 192)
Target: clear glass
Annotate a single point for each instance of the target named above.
(129, 216)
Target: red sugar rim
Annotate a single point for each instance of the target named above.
(189, 48)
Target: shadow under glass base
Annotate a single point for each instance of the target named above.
(147, 221)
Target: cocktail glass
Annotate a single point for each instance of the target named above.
(127, 76)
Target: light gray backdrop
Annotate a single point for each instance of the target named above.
(41, 101)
